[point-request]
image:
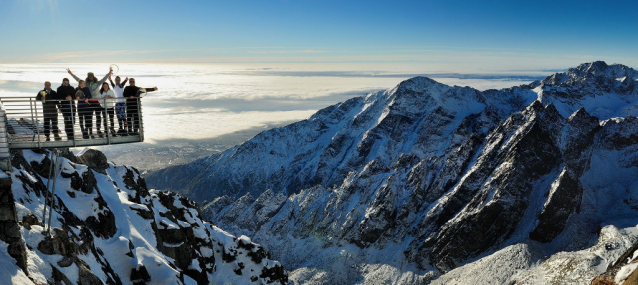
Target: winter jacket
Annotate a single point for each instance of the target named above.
(86, 93)
(119, 90)
(49, 102)
(109, 103)
(63, 91)
(134, 91)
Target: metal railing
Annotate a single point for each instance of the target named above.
(31, 123)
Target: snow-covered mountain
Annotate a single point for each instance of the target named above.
(108, 228)
(432, 183)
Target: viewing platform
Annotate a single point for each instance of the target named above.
(22, 126)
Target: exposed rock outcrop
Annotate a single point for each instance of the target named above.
(109, 228)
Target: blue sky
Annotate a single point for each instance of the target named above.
(430, 35)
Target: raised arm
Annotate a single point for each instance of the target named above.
(124, 83)
(112, 84)
(73, 75)
(99, 83)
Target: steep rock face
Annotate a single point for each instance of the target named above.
(436, 176)
(108, 228)
(420, 116)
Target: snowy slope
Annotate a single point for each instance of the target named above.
(427, 181)
(109, 228)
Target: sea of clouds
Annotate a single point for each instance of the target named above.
(201, 109)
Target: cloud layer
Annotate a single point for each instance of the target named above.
(210, 100)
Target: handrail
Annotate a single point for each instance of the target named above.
(32, 123)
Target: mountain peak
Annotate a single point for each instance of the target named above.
(593, 72)
(601, 68)
(419, 84)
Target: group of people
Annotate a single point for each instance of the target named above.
(122, 101)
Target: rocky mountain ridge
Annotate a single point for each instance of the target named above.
(109, 228)
(423, 181)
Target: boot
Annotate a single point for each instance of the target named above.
(91, 133)
(57, 137)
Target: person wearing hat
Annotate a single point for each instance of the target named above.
(66, 92)
(49, 102)
(94, 86)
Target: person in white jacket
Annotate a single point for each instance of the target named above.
(94, 86)
(107, 97)
(120, 103)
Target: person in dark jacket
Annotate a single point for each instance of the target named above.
(85, 112)
(66, 92)
(50, 111)
(132, 95)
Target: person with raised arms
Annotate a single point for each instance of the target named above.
(94, 86)
(120, 105)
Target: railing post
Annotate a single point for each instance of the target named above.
(139, 116)
(34, 110)
(72, 108)
(5, 154)
(106, 121)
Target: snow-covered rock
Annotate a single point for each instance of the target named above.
(427, 181)
(108, 228)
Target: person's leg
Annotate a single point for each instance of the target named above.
(54, 126)
(136, 120)
(120, 112)
(68, 124)
(98, 118)
(82, 122)
(47, 127)
(88, 119)
(129, 118)
(111, 112)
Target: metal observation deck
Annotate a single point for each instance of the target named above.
(22, 126)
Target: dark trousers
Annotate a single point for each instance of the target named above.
(86, 119)
(50, 125)
(68, 113)
(68, 123)
(111, 112)
(132, 117)
(98, 110)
